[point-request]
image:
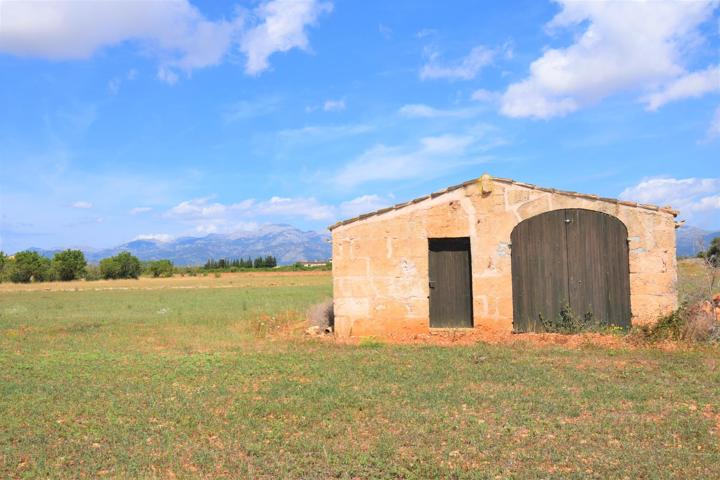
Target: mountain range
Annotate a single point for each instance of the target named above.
(690, 240)
(286, 243)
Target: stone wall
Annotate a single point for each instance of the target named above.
(380, 262)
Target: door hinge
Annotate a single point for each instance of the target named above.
(431, 284)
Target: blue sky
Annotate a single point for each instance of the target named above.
(128, 119)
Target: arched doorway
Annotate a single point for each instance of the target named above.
(570, 260)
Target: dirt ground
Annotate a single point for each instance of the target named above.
(225, 280)
(472, 336)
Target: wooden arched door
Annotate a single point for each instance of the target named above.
(570, 258)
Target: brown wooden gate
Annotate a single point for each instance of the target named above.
(572, 257)
(450, 283)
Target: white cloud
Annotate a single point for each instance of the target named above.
(334, 105)
(693, 84)
(116, 82)
(484, 96)
(713, 131)
(433, 155)
(466, 68)
(624, 46)
(203, 209)
(281, 28)
(322, 133)
(173, 31)
(167, 75)
(697, 199)
(113, 86)
(308, 208)
(139, 210)
(157, 237)
(363, 204)
(419, 110)
(246, 109)
(82, 204)
(213, 217)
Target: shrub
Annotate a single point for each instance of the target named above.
(161, 268)
(122, 265)
(30, 266)
(692, 322)
(69, 264)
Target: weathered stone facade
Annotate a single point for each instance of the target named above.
(380, 260)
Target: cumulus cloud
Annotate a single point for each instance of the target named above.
(139, 210)
(321, 133)
(697, 199)
(174, 31)
(431, 156)
(484, 96)
(363, 204)
(623, 46)
(205, 209)
(419, 110)
(334, 105)
(205, 216)
(281, 27)
(713, 132)
(156, 237)
(82, 204)
(465, 68)
(246, 109)
(693, 84)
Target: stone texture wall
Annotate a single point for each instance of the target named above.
(380, 263)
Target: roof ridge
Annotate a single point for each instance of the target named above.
(509, 181)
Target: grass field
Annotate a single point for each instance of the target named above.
(209, 378)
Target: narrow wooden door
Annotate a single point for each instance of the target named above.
(450, 278)
(572, 257)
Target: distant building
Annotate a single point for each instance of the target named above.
(309, 264)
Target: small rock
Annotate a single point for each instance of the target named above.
(314, 330)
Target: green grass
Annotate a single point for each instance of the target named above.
(103, 384)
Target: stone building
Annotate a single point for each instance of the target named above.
(500, 254)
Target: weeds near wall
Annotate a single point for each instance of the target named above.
(692, 322)
(568, 322)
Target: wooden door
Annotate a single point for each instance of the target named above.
(572, 257)
(539, 270)
(450, 278)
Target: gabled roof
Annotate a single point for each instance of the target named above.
(508, 181)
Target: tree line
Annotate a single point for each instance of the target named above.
(29, 266)
(226, 263)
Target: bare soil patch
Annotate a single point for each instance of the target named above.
(224, 280)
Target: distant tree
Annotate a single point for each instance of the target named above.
(69, 264)
(122, 265)
(270, 262)
(161, 268)
(30, 266)
(109, 268)
(713, 253)
(4, 262)
(258, 263)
